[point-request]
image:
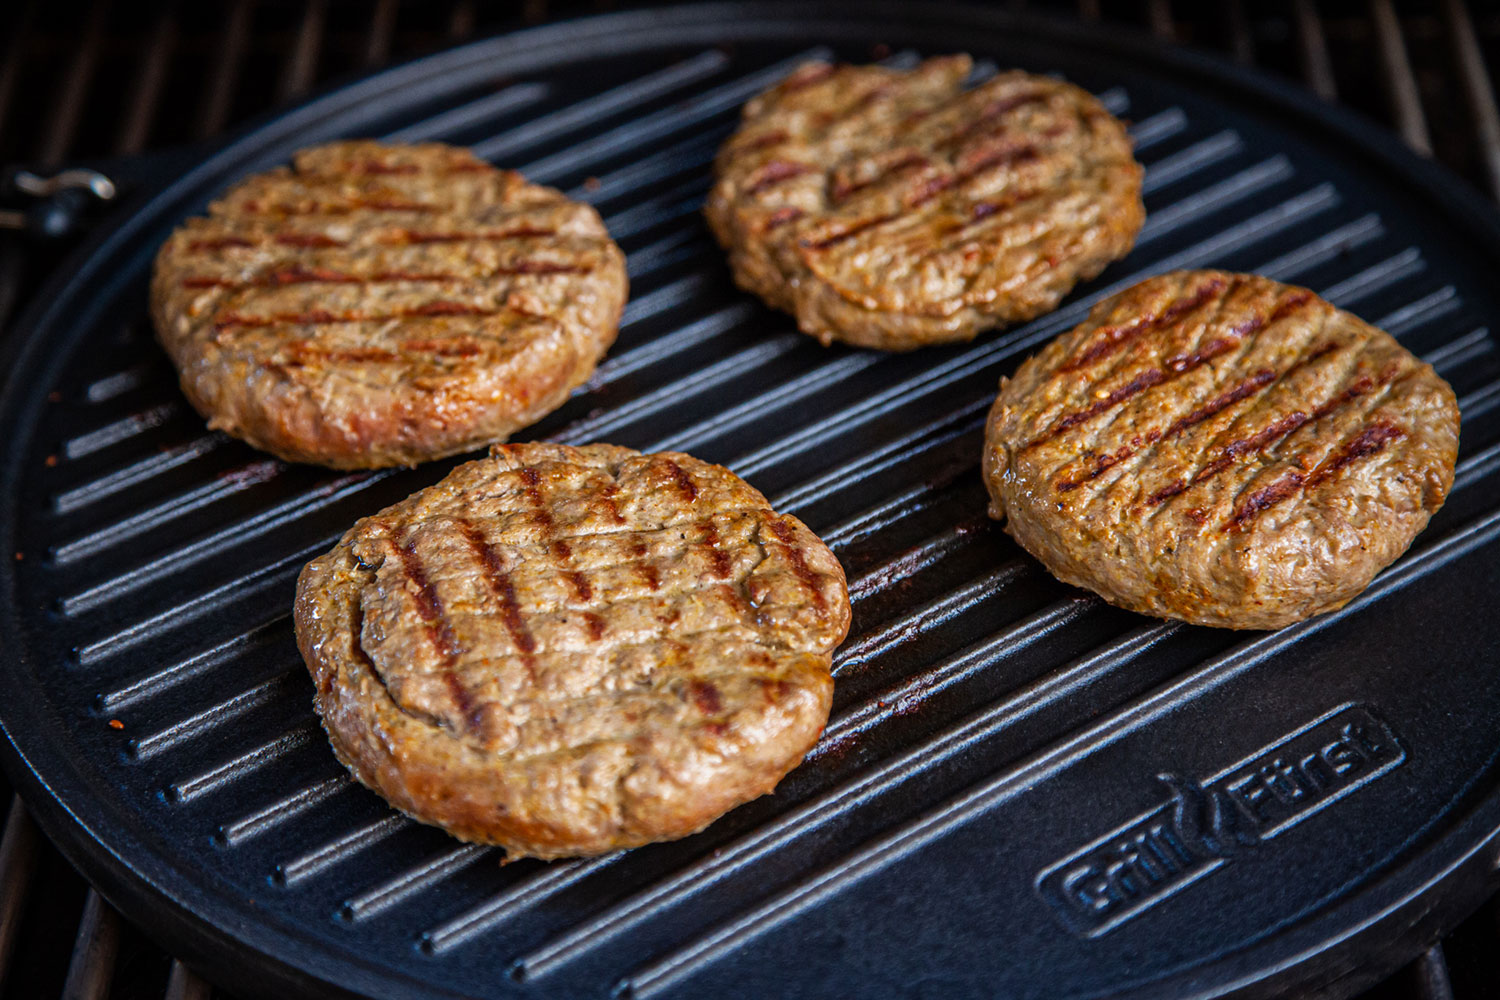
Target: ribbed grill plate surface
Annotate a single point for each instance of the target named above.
(984, 815)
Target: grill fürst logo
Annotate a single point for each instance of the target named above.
(1202, 826)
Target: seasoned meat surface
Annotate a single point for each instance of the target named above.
(1222, 449)
(376, 305)
(895, 209)
(570, 650)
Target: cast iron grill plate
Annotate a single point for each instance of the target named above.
(991, 811)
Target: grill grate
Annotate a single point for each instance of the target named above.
(134, 439)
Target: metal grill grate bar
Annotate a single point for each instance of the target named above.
(1211, 199)
(1205, 153)
(135, 126)
(68, 108)
(1401, 85)
(340, 849)
(120, 430)
(132, 635)
(286, 808)
(1433, 981)
(393, 891)
(657, 349)
(169, 676)
(210, 718)
(231, 51)
(1312, 48)
(1403, 265)
(134, 474)
(954, 425)
(1475, 77)
(242, 765)
(683, 201)
(586, 112)
(302, 62)
(485, 109)
(648, 128)
(18, 854)
(1344, 239)
(511, 903)
(788, 392)
(684, 157)
(1480, 401)
(167, 563)
(733, 367)
(965, 597)
(913, 690)
(93, 962)
(154, 517)
(1426, 309)
(102, 389)
(918, 558)
(1461, 349)
(872, 519)
(184, 984)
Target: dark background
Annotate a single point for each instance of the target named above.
(135, 88)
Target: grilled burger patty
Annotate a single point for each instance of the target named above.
(378, 305)
(570, 650)
(894, 209)
(1222, 449)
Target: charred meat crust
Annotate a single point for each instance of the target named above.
(376, 305)
(567, 651)
(893, 209)
(1222, 449)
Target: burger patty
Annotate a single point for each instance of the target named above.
(1220, 448)
(570, 650)
(895, 209)
(378, 305)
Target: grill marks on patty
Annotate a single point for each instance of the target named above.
(1209, 298)
(324, 317)
(1369, 441)
(1112, 338)
(392, 236)
(418, 304)
(429, 607)
(504, 589)
(494, 696)
(1221, 449)
(543, 539)
(903, 193)
(300, 275)
(1192, 328)
(478, 283)
(1257, 446)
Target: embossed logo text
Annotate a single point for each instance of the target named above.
(1203, 825)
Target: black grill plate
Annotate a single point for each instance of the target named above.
(987, 814)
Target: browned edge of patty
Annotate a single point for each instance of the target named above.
(377, 305)
(893, 209)
(1222, 449)
(721, 748)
